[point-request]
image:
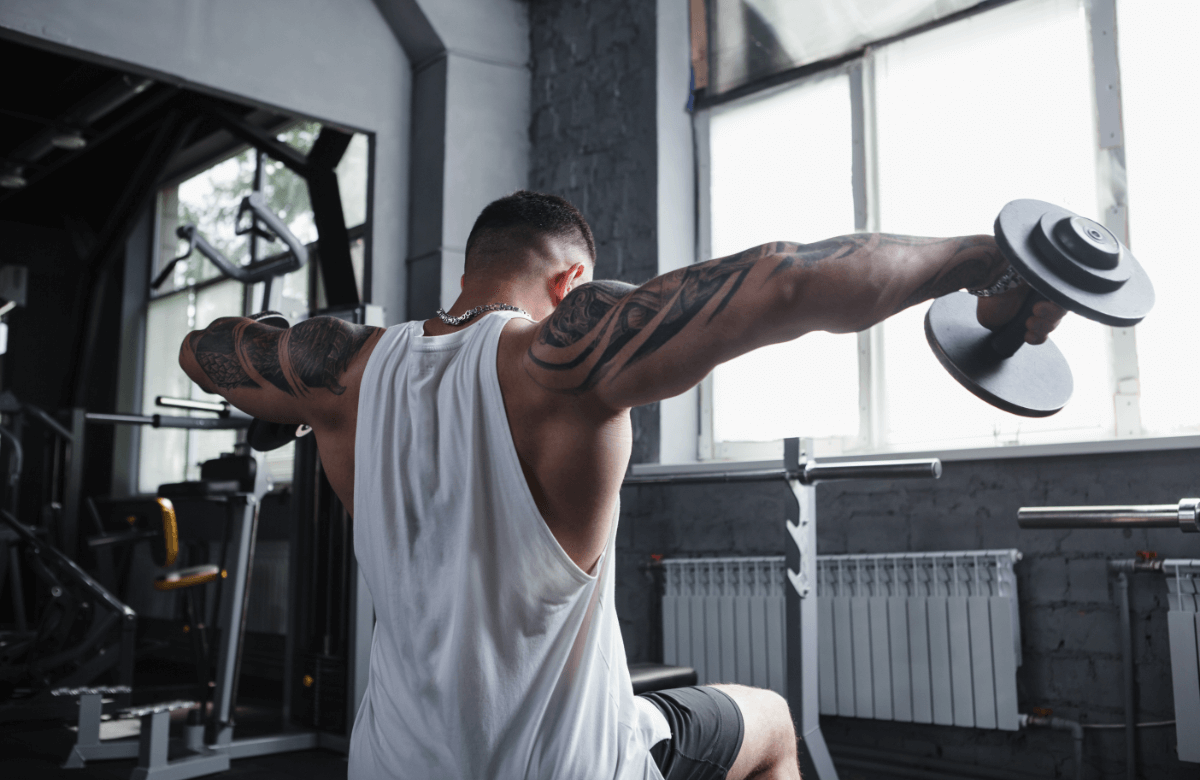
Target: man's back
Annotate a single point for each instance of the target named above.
(495, 655)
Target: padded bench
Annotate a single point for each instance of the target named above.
(657, 677)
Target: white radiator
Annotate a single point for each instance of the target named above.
(724, 617)
(920, 637)
(1183, 630)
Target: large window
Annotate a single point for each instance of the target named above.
(780, 173)
(956, 122)
(1160, 80)
(196, 294)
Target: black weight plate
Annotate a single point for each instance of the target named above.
(1121, 308)
(1035, 381)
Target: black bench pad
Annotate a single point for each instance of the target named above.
(657, 677)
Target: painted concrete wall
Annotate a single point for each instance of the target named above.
(470, 140)
(1069, 622)
(335, 62)
(593, 138)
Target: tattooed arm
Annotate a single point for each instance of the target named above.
(291, 374)
(626, 345)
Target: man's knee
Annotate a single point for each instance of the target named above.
(764, 710)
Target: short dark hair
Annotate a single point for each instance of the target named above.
(518, 221)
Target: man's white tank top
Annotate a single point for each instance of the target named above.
(494, 655)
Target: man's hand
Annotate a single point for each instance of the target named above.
(995, 311)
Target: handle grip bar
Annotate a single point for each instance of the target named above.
(258, 271)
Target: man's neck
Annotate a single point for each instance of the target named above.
(481, 295)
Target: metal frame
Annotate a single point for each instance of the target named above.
(802, 474)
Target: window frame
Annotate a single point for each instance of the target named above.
(359, 232)
(1112, 200)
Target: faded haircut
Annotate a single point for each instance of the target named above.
(520, 221)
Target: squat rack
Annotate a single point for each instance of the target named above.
(803, 473)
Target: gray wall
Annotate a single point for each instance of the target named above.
(335, 62)
(470, 142)
(593, 137)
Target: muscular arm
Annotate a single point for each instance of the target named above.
(279, 374)
(626, 345)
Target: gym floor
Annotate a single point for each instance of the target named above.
(36, 749)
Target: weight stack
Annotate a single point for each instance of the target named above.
(319, 701)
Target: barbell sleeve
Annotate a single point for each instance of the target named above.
(757, 475)
(809, 473)
(1185, 515)
(929, 468)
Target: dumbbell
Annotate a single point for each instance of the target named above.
(265, 436)
(1066, 259)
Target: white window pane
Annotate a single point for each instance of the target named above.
(352, 180)
(781, 172)
(1159, 86)
(781, 168)
(163, 451)
(210, 201)
(970, 116)
(286, 194)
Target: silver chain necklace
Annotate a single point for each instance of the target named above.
(472, 313)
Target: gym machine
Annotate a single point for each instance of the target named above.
(802, 473)
(83, 632)
(228, 497)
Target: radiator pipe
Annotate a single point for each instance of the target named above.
(1124, 568)
(1060, 724)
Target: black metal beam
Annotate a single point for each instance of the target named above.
(333, 241)
(260, 139)
(124, 215)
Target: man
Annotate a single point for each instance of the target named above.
(481, 454)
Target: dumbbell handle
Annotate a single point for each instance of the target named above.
(1009, 339)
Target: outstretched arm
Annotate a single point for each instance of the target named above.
(626, 345)
(288, 375)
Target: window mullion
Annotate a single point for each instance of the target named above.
(865, 175)
(705, 445)
(1112, 200)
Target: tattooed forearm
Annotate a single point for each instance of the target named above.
(309, 356)
(975, 261)
(216, 353)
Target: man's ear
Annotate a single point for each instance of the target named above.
(563, 282)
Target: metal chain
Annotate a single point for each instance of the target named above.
(472, 313)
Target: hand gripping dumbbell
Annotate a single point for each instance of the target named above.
(1066, 259)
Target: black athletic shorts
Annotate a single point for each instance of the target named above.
(706, 733)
